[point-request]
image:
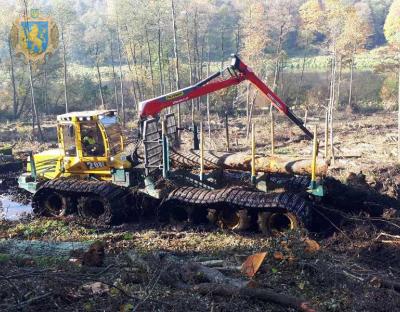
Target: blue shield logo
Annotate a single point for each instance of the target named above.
(34, 36)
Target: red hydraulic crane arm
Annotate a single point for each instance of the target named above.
(239, 72)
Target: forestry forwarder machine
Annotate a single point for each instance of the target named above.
(93, 174)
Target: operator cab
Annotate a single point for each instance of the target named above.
(90, 133)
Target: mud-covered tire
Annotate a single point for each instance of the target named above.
(235, 199)
(100, 203)
(95, 210)
(277, 222)
(48, 203)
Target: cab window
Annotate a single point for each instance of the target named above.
(113, 130)
(68, 132)
(92, 140)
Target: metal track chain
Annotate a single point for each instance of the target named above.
(111, 194)
(239, 198)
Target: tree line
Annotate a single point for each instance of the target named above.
(116, 53)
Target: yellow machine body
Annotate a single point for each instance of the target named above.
(90, 144)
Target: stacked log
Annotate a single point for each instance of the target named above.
(281, 164)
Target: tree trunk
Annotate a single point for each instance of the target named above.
(150, 62)
(45, 103)
(337, 98)
(196, 55)
(114, 74)
(189, 55)
(176, 58)
(267, 295)
(303, 66)
(65, 70)
(170, 79)
(15, 95)
(16, 248)
(35, 117)
(237, 39)
(222, 49)
(398, 126)
(121, 77)
(277, 61)
(248, 88)
(331, 104)
(132, 89)
(160, 66)
(133, 53)
(350, 106)
(241, 161)
(99, 78)
(208, 96)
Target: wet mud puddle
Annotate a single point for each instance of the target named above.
(11, 210)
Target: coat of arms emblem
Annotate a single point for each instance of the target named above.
(34, 37)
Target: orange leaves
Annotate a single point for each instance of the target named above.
(311, 246)
(278, 255)
(253, 263)
(283, 253)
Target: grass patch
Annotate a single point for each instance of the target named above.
(4, 258)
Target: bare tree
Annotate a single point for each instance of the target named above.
(121, 76)
(12, 73)
(176, 58)
(35, 115)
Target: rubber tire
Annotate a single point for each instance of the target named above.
(87, 206)
(44, 206)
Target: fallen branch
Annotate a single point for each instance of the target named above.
(396, 238)
(32, 300)
(254, 293)
(384, 283)
(194, 270)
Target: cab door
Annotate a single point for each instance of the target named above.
(93, 150)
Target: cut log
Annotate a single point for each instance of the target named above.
(193, 271)
(18, 248)
(385, 283)
(255, 293)
(241, 161)
(206, 280)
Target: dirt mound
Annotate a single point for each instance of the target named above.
(387, 181)
(381, 254)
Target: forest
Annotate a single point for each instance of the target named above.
(204, 155)
(114, 54)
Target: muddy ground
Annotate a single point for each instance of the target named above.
(355, 266)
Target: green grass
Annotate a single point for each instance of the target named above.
(367, 60)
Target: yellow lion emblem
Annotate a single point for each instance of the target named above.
(33, 37)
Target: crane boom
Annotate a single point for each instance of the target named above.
(239, 72)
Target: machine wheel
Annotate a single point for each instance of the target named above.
(244, 220)
(283, 221)
(52, 204)
(212, 216)
(178, 215)
(189, 213)
(277, 221)
(237, 220)
(262, 221)
(95, 209)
